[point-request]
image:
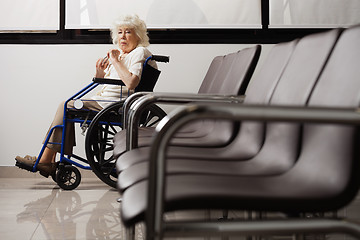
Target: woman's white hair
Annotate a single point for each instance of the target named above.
(134, 22)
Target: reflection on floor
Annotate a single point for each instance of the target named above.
(33, 207)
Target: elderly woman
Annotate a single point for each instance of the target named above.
(130, 35)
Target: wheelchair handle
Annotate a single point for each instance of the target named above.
(160, 58)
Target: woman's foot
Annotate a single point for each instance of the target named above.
(47, 169)
(28, 162)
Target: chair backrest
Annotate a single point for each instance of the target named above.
(211, 74)
(227, 75)
(291, 82)
(330, 153)
(234, 73)
(294, 88)
(325, 174)
(260, 89)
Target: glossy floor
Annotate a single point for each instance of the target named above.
(33, 207)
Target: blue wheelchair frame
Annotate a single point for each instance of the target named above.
(78, 95)
(82, 162)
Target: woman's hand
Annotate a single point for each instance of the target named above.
(101, 65)
(114, 55)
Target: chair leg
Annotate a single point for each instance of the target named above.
(225, 214)
(130, 233)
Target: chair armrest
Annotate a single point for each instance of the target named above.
(133, 114)
(175, 98)
(179, 117)
(265, 113)
(127, 105)
(108, 81)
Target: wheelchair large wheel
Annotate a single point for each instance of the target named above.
(99, 139)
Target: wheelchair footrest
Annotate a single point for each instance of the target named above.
(24, 166)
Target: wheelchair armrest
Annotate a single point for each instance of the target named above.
(109, 81)
(159, 58)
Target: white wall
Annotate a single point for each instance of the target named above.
(36, 78)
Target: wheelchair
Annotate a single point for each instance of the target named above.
(100, 128)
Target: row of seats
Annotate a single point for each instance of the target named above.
(291, 143)
(227, 75)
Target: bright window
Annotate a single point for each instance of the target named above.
(99, 14)
(314, 13)
(29, 15)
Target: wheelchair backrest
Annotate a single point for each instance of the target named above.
(150, 75)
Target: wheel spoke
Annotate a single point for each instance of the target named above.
(100, 135)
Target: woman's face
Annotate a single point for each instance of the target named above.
(128, 40)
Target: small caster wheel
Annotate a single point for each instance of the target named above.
(68, 177)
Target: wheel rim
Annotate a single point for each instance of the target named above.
(99, 139)
(99, 143)
(102, 160)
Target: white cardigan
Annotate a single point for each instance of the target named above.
(134, 61)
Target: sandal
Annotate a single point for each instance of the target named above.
(26, 162)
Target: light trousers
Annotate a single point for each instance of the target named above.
(56, 136)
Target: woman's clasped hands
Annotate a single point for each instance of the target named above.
(111, 57)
